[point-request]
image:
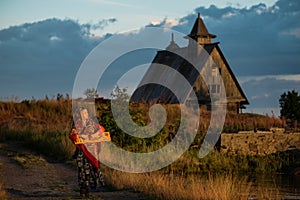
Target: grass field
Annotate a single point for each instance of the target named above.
(44, 125)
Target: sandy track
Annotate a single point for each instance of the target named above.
(27, 175)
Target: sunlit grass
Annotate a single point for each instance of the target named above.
(2, 192)
(171, 187)
(3, 195)
(44, 126)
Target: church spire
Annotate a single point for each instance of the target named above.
(172, 46)
(200, 33)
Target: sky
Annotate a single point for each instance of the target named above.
(43, 43)
(131, 14)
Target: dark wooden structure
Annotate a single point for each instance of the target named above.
(236, 99)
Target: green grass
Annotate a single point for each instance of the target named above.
(44, 125)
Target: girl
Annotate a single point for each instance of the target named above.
(89, 174)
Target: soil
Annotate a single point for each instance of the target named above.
(28, 175)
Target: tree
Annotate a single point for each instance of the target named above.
(59, 97)
(91, 93)
(120, 94)
(290, 105)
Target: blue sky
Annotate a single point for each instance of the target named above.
(131, 14)
(43, 43)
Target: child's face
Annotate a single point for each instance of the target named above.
(84, 114)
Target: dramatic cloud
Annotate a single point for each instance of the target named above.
(259, 40)
(99, 25)
(43, 57)
(256, 41)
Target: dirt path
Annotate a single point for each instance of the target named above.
(27, 175)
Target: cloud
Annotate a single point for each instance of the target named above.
(103, 23)
(261, 44)
(294, 32)
(99, 25)
(43, 57)
(259, 40)
(166, 23)
(265, 92)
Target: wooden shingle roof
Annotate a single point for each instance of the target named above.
(199, 29)
(158, 93)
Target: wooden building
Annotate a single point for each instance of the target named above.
(235, 97)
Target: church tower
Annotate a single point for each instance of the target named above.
(200, 33)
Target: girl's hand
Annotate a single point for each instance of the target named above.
(85, 137)
(90, 129)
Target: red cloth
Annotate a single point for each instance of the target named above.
(78, 128)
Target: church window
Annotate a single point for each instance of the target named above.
(214, 88)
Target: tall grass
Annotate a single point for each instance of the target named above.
(174, 187)
(3, 195)
(44, 126)
(52, 115)
(56, 145)
(221, 186)
(2, 192)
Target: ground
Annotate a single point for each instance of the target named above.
(28, 175)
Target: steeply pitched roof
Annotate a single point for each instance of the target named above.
(233, 76)
(199, 29)
(172, 46)
(158, 93)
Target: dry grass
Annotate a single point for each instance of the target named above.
(53, 116)
(174, 187)
(41, 115)
(45, 125)
(171, 187)
(2, 193)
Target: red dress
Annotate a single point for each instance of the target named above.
(89, 174)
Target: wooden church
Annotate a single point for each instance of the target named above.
(150, 93)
